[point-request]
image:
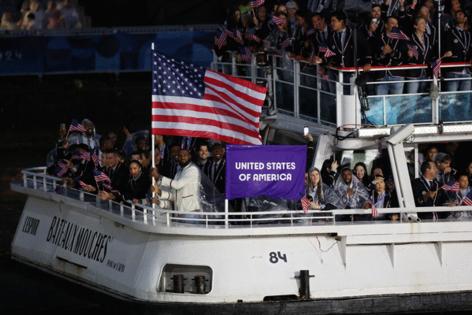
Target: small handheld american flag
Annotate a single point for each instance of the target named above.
(220, 40)
(256, 3)
(436, 68)
(327, 52)
(63, 168)
(101, 177)
(94, 157)
(397, 34)
(277, 20)
(454, 187)
(413, 50)
(252, 37)
(82, 155)
(305, 204)
(76, 127)
(467, 201)
(374, 212)
(245, 54)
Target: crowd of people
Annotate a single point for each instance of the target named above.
(393, 33)
(343, 187)
(33, 15)
(124, 173)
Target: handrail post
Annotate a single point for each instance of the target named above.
(81, 195)
(153, 217)
(253, 68)
(167, 219)
(318, 94)
(384, 103)
(45, 184)
(25, 180)
(435, 110)
(122, 211)
(35, 185)
(214, 64)
(226, 213)
(339, 99)
(234, 71)
(296, 88)
(145, 215)
(133, 213)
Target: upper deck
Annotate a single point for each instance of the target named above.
(330, 99)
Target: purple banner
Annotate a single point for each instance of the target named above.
(265, 170)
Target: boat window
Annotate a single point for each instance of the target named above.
(186, 279)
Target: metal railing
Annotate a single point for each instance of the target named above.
(330, 97)
(36, 179)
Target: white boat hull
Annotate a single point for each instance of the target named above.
(85, 244)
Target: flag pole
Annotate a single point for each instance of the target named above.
(226, 212)
(153, 142)
(439, 39)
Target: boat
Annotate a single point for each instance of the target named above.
(283, 261)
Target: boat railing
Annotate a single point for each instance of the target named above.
(329, 96)
(37, 179)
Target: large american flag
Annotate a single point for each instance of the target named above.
(190, 101)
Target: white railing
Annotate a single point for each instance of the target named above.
(36, 179)
(298, 88)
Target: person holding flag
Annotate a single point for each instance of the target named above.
(344, 51)
(391, 50)
(420, 51)
(380, 198)
(193, 102)
(461, 195)
(426, 190)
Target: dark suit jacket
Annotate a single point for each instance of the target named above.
(217, 176)
(420, 188)
(119, 177)
(345, 54)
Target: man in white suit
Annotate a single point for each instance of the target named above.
(184, 189)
